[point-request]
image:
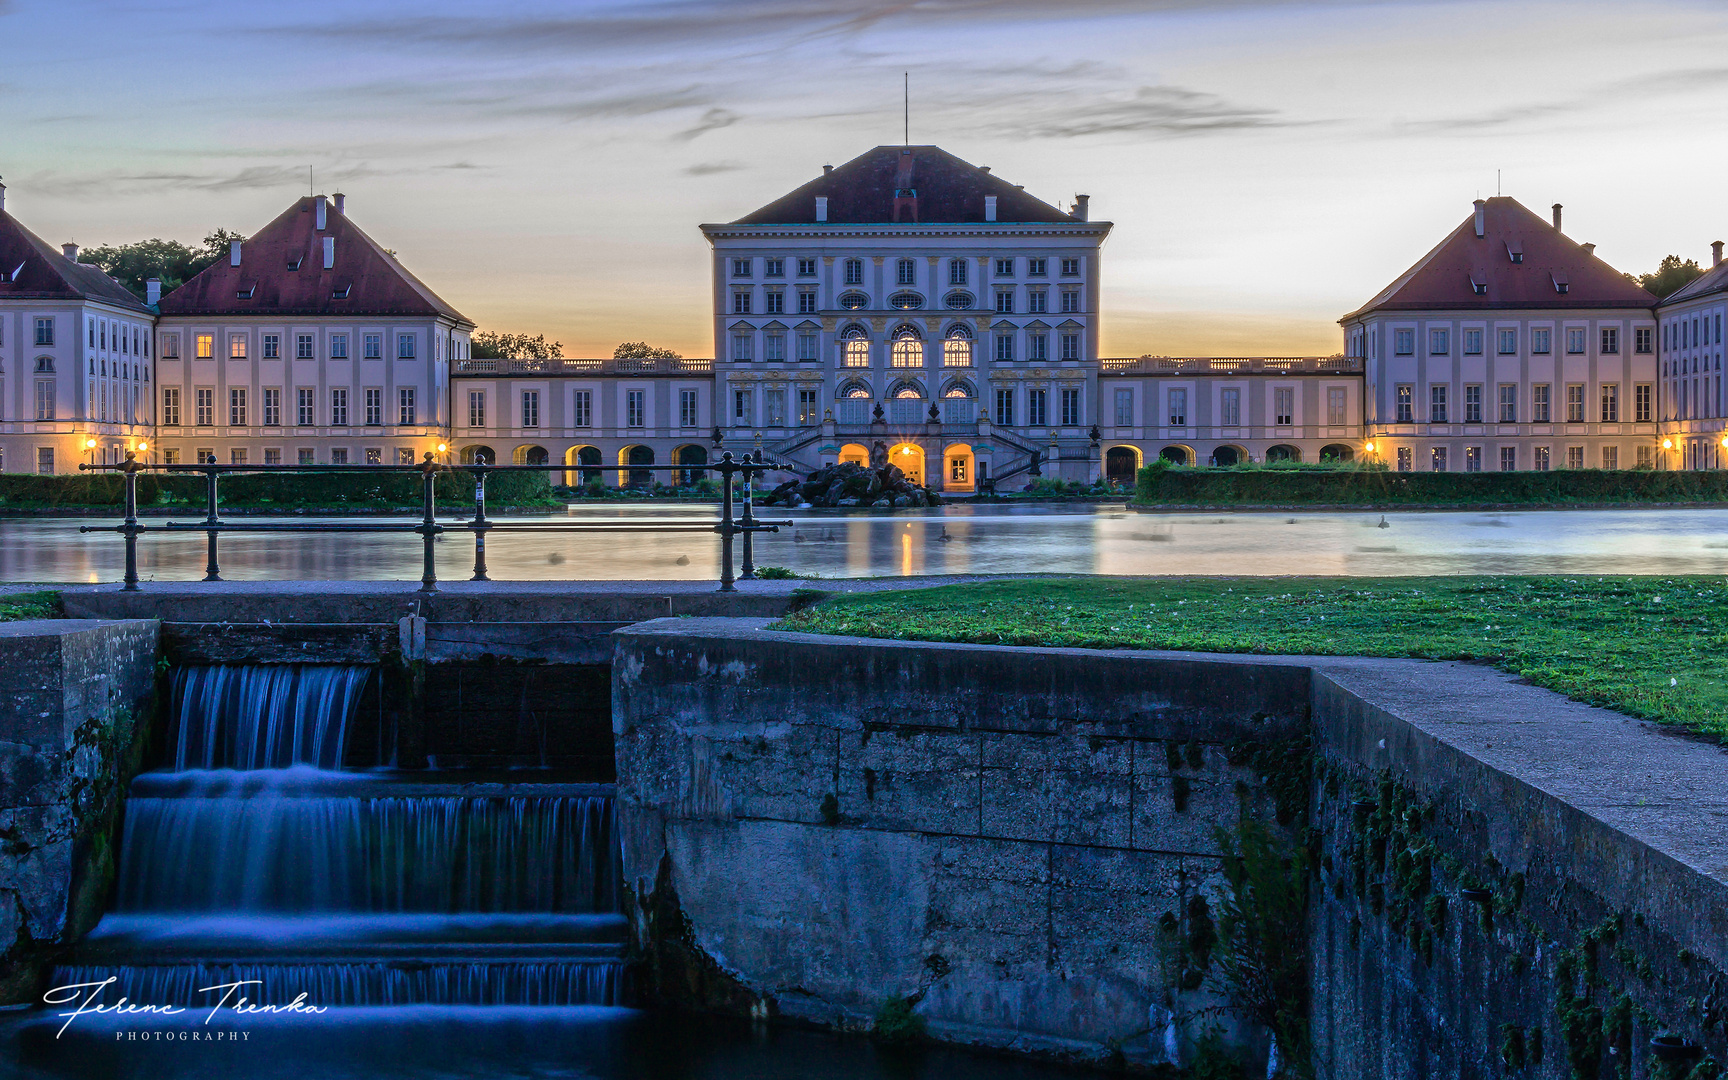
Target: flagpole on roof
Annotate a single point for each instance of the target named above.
(908, 93)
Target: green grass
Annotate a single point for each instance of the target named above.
(1652, 647)
(29, 605)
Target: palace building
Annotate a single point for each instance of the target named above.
(906, 302)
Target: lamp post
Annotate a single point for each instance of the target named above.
(1667, 445)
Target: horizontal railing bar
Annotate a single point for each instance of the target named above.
(457, 526)
(341, 470)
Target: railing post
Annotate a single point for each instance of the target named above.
(727, 469)
(211, 570)
(130, 529)
(480, 524)
(428, 529)
(749, 568)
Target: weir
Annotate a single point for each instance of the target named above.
(255, 856)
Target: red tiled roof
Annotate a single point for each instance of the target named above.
(862, 191)
(1714, 280)
(31, 269)
(375, 283)
(1446, 277)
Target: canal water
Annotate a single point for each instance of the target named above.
(988, 539)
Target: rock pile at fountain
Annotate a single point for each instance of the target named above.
(850, 484)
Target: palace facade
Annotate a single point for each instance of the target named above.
(906, 301)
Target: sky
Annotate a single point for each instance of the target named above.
(544, 166)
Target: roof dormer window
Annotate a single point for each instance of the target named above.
(294, 264)
(1561, 285)
(1479, 283)
(245, 291)
(1515, 251)
(340, 294)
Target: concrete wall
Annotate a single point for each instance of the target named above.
(76, 698)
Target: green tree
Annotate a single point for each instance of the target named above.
(641, 350)
(1671, 276)
(492, 345)
(169, 260)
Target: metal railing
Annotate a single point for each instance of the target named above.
(570, 365)
(745, 525)
(1229, 365)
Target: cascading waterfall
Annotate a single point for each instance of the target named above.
(257, 859)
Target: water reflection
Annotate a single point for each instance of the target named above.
(948, 540)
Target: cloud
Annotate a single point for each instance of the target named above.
(254, 178)
(712, 120)
(1159, 110)
(709, 168)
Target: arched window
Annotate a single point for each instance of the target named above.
(958, 389)
(957, 347)
(856, 344)
(908, 348)
(907, 390)
(855, 391)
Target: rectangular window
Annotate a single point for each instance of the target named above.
(374, 407)
(305, 456)
(774, 302)
(1437, 459)
(237, 407)
(635, 410)
(272, 407)
(45, 400)
(1610, 339)
(1610, 403)
(773, 267)
(1541, 341)
(303, 407)
(1574, 457)
(774, 347)
(339, 456)
(1037, 301)
(476, 408)
(1472, 343)
(741, 267)
(1508, 459)
(1037, 414)
(1070, 346)
(405, 405)
(171, 406)
(1539, 403)
(404, 346)
(338, 346)
(1642, 338)
(1508, 403)
(1070, 300)
(1070, 407)
(1575, 340)
(1004, 267)
(806, 302)
(1439, 342)
(1005, 407)
(1037, 347)
(374, 455)
(1337, 405)
(338, 411)
(1540, 455)
(1283, 406)
(1005, 302)
(236, 346)
(741, 346)
(854, 271)
(1404, 342)
(806, 346)
(1004, 347)
(1574, 403)
(1124, 408)
(206, 346)
(1473, 404)
(775, 400)
(530, 408)
(1472, 459)
(906, 272)
(404, 455)
(205, 398)
(1230, 407)
(808, 411)
(170, 457)
(1641, 398)
(1646, 457)
(1406, 403)
(1508, 342)
(956, 271)
(1070, 267)
(584, 408)
(44, 331)
(687, 408)
(170, 346)
(1610, 457)
(806, 267)
(272, 346)
(1036, 267)
(206, 455)
(372, 346)
(743, 409)
(237, 456)
(1406, 459)
(45, 460)
(303, 346)
(1178, 408)
(1437, 403)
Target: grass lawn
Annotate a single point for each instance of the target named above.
(1653, 647)
(29, 605)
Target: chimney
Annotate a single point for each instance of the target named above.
(1481, 218)
(826, 169)
(1589, 249)
(70, 251)
(233, 253)
(1556, 217)
(341, 201)
(329, 252)
(983, 168)
(905, 195)
(2, 196)
(989, 208)
(1082, 207)
(153, 291)
(1716, 253)
(321, 211)
(821, 208)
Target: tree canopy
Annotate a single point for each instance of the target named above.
(1671, 276)
(641, 350)
(492, 345)
(170, 260)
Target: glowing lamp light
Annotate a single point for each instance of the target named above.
(1667, 444)
(906, 452)
(89, 444)
(442, 448)
(141, 447)
(1368, 447)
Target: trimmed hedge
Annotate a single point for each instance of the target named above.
(1181, 486)
(293, 490)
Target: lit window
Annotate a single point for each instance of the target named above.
(857, 349)
(236, 346)
(206, 344)
(907, 350)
